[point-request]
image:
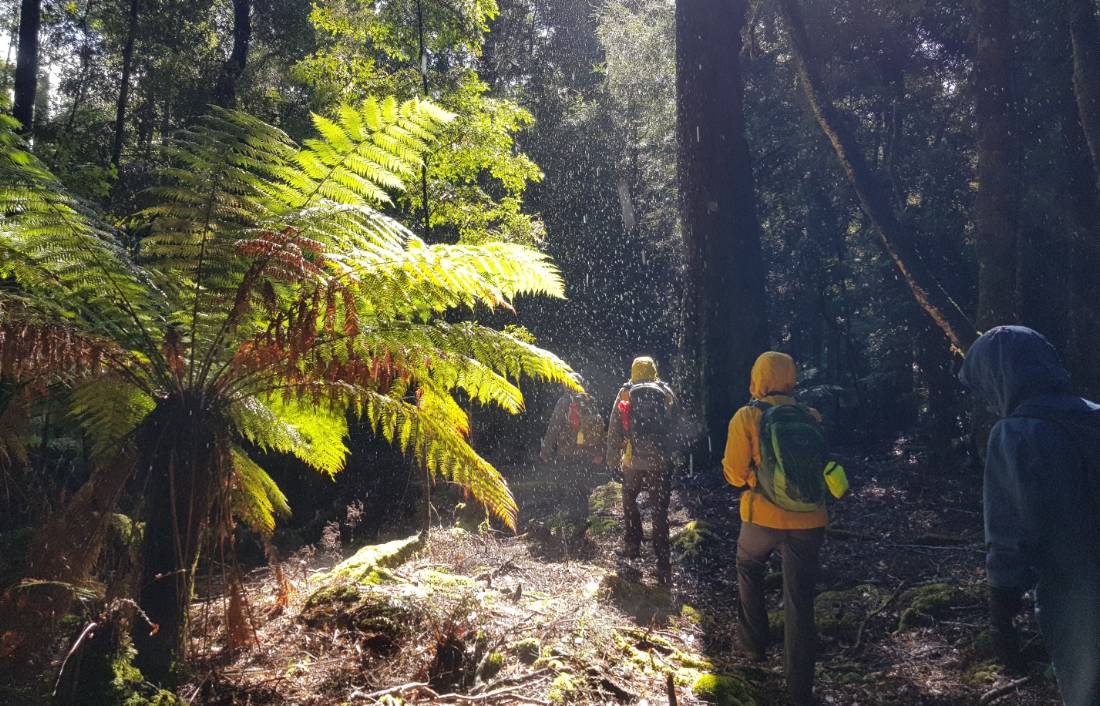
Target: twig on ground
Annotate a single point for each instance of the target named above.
(513, 681)
(396, 691)
(1002, 691)
(500, 694)
(866, 618)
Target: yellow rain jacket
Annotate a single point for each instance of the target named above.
(773, 380)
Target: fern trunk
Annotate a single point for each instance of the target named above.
(184, 450)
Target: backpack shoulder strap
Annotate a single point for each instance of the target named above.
(760, 404)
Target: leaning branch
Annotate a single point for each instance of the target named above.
(895, 237)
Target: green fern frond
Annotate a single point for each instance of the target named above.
(364, 153)
(256, 499)
(61, 256)
(313, 434)
(108, 410)
(431, 436)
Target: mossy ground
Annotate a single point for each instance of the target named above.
(571, 626)
(605, 504)
(724, 690)
(693, 540)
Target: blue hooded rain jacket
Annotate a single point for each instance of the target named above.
(1042, 510)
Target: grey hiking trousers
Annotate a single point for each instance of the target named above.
(799, 549)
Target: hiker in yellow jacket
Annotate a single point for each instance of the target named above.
(765, 527)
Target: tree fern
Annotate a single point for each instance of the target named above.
(271, 288)
(268, 298)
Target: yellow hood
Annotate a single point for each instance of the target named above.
(772, 374)
(643, 369)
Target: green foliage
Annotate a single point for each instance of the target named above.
(476, 178)
(270, 288)
(108, 409)
(256, 498)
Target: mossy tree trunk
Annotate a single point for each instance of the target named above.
(183, 456)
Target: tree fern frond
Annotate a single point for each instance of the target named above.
(256, 499)
(108, 410)
(313, 434)
(430, 435)
(364, 153)
(57, 251)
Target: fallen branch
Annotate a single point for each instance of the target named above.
(619, 692)
(513, 681)
(396, 691)
(936, 542)
(1001, 691)
(866, 618)
(503, 694)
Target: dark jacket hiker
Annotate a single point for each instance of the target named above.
(575, 434)
(1042, 511)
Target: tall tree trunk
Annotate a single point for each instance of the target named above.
(26, 63)
(124, 84)
(996, 229)
(724, 314)
(895, 237)
(85, 65)
(1086, 72)
(234, 67)
(1082, 130)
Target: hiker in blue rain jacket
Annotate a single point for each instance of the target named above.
(1042, 510)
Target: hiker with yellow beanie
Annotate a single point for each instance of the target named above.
(639, 440)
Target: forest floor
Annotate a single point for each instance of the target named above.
(555, 616)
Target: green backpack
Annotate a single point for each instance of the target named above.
(792, 457)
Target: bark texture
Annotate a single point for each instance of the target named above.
(124, 84)
(724, 314)
(26, 63)
(996, 211)
(1085, 34)
(238, 59)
